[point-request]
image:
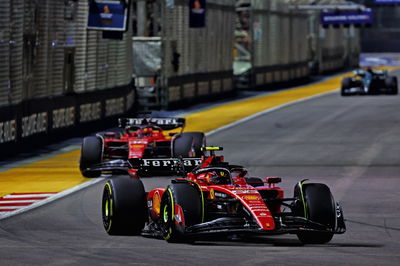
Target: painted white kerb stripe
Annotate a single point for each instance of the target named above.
(15, 201)
(39, 195)
(53, 197)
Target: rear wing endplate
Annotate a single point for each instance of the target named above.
(166, 123)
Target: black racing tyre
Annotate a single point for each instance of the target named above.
(254, 181)
(91, 153)
(320, 208)
(188, 144)
(189, 199)
(346, 84)
(199, 140)
(124, 206)
(391, 85)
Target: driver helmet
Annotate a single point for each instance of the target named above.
(218, 177)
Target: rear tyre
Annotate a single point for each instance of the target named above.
(188, 144)
(91, 153)
(124, 206)
(346, 82)
(317, 206)
(391, 85)
(199, 140)
(180, 207)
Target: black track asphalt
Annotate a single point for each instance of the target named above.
(350, 143)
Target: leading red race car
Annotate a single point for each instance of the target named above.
(140, 138)
(218, 198)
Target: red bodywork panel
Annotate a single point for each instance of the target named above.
(248, 195)
(135, 141)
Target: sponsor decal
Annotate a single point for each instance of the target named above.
(158, 121)
(90, 112)
(34, 124)
(170, 162)
(8, 131)
(63, 117)
(346, 17)
(138, 142)
(251, 197)
(221, 195)
(242, 191)
(258, 208)
(114, 106)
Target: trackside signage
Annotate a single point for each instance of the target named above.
(108, 15)
(346, 17)
(386, 2)
(90, 112)
(39, 122)
(34, 124)
(8, 131)
(63, 117)
(197, 13)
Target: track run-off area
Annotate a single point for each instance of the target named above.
(350, 143)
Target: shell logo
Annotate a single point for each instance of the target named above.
(251, 197)
(156, 203)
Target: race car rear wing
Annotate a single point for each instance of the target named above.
(166, 123)
(164, 166)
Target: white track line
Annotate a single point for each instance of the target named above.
(243, 120)
(97, 180)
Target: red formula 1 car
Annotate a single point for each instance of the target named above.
(140, 138)
(218, 198)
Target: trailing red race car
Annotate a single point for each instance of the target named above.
(140, 138)
(218, 198)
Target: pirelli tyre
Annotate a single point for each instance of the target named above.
(181, 207)
(188, 144)
(391, 85)
(124, 206)
(317, 205)
(346, 85)
(91, 154)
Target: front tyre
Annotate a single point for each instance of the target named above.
(91, 153)
(317, 205)
(124, 206)
(181, 207)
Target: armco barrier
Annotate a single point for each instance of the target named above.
(41, 121)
